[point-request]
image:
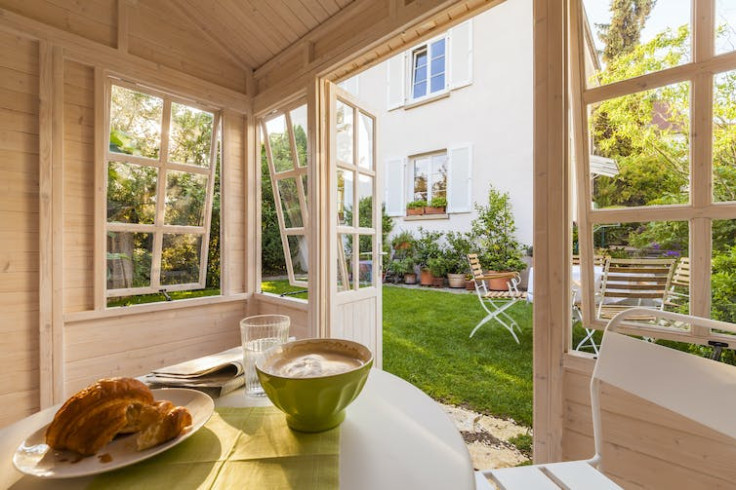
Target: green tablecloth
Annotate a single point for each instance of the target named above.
(238, 448)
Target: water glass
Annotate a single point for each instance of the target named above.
(259, 334)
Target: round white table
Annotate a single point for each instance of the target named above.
(394, 437)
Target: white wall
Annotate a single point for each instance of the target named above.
(494, 114)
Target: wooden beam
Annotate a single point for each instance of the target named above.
(100, 190)
(123, 25)
(551, 226)
(131, 67)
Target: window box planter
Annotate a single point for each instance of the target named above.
(434, 210)
(414, 211)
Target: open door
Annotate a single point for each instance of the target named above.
(354, 221)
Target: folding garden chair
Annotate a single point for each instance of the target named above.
(695, 387)
(495, 303)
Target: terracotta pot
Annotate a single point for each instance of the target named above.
(410, 278)
(438, 282)
(414, 211)
(426, 278)
(456, 280)
(470, 285)
(498, 284)
(433, 210)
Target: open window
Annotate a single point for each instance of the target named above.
(162, 163)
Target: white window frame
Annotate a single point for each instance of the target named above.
(158, 228)
(412, 165)
(298, 173)
(411, 59)
(701, 208)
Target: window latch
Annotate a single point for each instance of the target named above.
(166, 295)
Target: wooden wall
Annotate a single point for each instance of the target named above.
(646, 446)
(55, 335)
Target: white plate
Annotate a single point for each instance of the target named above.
(34, 457)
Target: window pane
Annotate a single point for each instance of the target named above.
(290, 203)
(421, 174)
(724, 137)
(299, 256)
(299, 125)
(305, 181)
(278, 139)
(642, 239)
(723, 278)
(180, 259)
(191, 135)
(186, 195)
(131, 193)
(345, 197)
(365, 141)
(725, 26)
(437, 83)
(344, 133)
(365, 266)
(439, 176)
(135, 122)
(344, 262)
(420, 90)
(631, 41)
(438, 48)
(365, 202)
(129, 259)
(647, 136)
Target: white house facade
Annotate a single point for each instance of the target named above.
(455, 115)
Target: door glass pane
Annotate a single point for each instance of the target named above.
(344, 262)
(344, 133)
(365, 264)
(131, 193)
(345, 197)
(185, 198)
(191, 135)
(135, 122)
(365, 203)
(645, 138)
(290, 203)
(724, 137)
(723, 274)
(630, 41)
(299, 256)
(180, 258)
(365, 141)
(725, 26)
(128, 259)
(299, 125)
(278, 139)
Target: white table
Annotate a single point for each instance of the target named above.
(574, 276)
(394, 437)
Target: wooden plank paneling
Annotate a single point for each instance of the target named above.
(19, 228)
(295, 310)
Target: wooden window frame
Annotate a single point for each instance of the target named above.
(158, 228)
(701, 209)
(297, 173)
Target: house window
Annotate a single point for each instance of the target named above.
(162, 163)
(429, 66)
(430, 177)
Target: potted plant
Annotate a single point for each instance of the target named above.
(459, 245)
(499, 251)
(469, 282)
(415, 207)
(436, 206)
(404, 268)
(438, 267)
(427, 247)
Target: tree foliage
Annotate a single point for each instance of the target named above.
(624, 31)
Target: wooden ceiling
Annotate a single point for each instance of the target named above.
(253, 31)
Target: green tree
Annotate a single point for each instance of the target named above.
(624, 31)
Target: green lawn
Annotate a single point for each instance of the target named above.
(425, 341)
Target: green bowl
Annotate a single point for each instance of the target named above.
(313, 380)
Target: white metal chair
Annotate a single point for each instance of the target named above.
(495, 303)
(704, 393)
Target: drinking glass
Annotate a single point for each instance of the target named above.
(258, 334)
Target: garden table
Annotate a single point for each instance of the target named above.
(394, 437)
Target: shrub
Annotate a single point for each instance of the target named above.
(495, 228)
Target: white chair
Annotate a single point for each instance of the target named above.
(495, 303)
(704, 394)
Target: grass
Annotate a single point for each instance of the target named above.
(158, 297)
(425, 341)
(279, 286)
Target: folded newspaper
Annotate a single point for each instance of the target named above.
(216, 375)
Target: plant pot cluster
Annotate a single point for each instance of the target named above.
(437, 205)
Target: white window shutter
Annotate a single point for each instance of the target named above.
(459, 179)
(461, 55)
(394, 179)
(395, 81)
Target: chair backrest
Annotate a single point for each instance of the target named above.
(636, 279)
(477, 271)
(695, 387)
(681, 277)
(598, 260)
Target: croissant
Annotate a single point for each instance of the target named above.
(171, 424)
(91, 418)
